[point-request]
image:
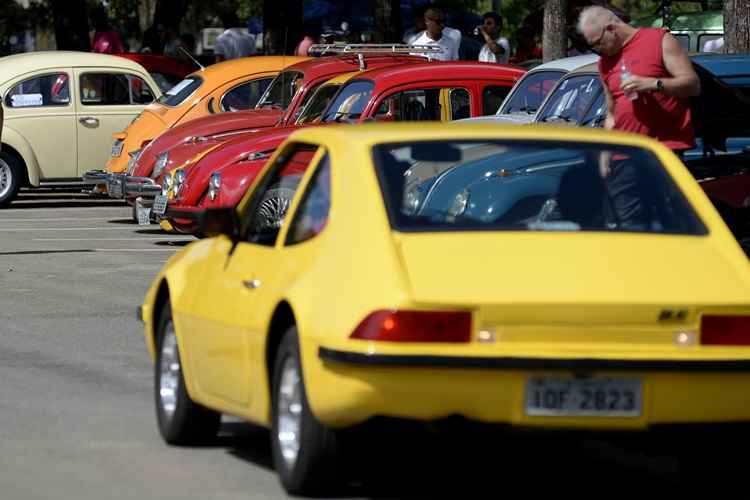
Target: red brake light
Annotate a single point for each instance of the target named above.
(415, 326)
(725, 330)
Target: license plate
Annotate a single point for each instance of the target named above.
(144, 216)
(160, 205)
(596, 397)
(117, 148)
(114, 187)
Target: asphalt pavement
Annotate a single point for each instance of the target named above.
(76, 410)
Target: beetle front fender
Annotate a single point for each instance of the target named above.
(18, 142)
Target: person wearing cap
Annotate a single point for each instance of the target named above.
(434, 34)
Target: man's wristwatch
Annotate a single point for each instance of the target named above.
(659, 85)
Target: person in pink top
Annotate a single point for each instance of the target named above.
(312, 33)
(106, 39)
(647, 75)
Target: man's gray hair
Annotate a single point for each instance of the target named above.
(596, 16)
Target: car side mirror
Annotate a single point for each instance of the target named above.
(216, 221)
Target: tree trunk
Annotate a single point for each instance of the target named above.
(737, 26)
(282, 25)
(554, 38)
(169, 13)
(71, 21)
(387, 21)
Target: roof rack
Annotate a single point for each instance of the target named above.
(360, 49)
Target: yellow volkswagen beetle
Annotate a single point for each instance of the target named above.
(226, 86)
(568, 278)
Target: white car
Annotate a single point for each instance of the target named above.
(61, 109)
(527, 95)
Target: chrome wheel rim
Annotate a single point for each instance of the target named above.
(6, 179)
(169, 373)
(289, 412)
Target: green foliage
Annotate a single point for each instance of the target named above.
(249, 8)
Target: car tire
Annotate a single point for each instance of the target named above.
(181, 421)
(10, 177)
(305, 452)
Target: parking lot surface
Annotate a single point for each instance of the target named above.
(76, 397)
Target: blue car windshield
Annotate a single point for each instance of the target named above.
(530, 186)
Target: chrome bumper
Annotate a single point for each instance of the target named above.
(139, 186)
(122, 185)
(96, 176)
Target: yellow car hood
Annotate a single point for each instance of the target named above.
(525, 268)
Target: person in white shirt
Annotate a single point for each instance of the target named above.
(496, 48)
(434, 20)
(233, 42)
(413, 33)
(715, 45)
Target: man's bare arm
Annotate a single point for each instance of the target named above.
(609, 121)
(683, 82)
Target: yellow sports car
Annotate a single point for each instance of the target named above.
(539, 277)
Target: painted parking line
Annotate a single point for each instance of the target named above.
(26, 229)
(170, 249)
(60, 219)
(133, 238)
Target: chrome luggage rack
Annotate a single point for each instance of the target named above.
(361, 49)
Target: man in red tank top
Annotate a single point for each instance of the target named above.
(647, 77)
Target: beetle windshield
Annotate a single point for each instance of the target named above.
(530, 186)
(313, 110)
(530, 92)
(282, 90)
(571, 99)
(177, 94)
(350, 102)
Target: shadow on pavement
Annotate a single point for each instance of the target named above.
(41, 252)
(62, 203)
(410, 461)
(158, 230)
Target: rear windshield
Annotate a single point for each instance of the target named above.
(177, 94)
(530, 186)
(530, 91)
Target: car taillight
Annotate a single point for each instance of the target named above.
(415, 326)
(725, 330)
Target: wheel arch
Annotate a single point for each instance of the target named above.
(283, 317)
(15, 142)
(162, 297)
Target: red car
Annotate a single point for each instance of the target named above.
(417, 92)
(166, 71)
(283, 100)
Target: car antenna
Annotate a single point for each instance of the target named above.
(184, 50)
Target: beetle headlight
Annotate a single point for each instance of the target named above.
(161, 162)
(214, 184)
(179, 182)
(166, 185)
(458, 207)
(134, 155)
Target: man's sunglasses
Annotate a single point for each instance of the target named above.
(596, 44)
